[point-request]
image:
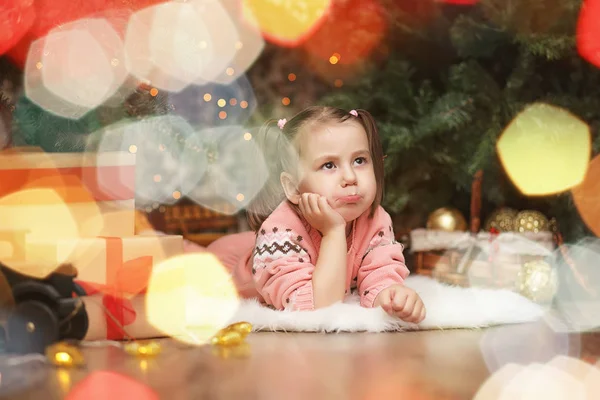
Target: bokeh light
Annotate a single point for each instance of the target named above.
(224, 36)
(191, 297)
(174, 44)
(588, 31)
(19, 16)
(235, 165)
(561, 378)
(110, 385)
(286, 23)
(577, 303)
(351, 31)
(545, 150)
(36, 214)
(523, 344)
(141, 51)
(159, 146)
(73, 70)
(586, 196)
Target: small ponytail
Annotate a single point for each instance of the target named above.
(279, 157)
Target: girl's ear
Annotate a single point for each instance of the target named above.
(290, 187)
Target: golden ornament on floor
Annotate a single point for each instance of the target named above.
(502, 219)
(232, 335)
(538, 281)
(62, 354)
(531, 221)
(143, 349)
(446, 219)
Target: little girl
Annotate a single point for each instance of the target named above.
(319, 229)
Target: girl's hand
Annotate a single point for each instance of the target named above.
(402, 302)
(319, 213)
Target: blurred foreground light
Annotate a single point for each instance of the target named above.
(75, 68)
(235, 166)
(286, 23)
(586, 196)
(588, 31)
(191, 297)
(545, 150)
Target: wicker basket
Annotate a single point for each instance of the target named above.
(478, 258)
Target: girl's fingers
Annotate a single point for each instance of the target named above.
(313, 201)
(324, 206)
(416, 314)
(302, 205)
(408, 308)
(399, 301)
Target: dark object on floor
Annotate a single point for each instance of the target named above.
(44, 311)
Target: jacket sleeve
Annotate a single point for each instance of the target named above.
(282, 270)
(383, 262)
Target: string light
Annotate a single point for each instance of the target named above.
(247, 136)
(239, 197)
(244, 104)
(285, 101)
(207, 97)
(229, 71)
(292, 77)
(335, 58)
(222, 114)
(233, 102)
(153, 92)
(133, 149)
(221, 103)
(177, 195)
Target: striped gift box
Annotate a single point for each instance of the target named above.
(66, 195)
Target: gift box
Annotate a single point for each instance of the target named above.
(121, 264)
(478, 259)
(67, 194)
(486, 258)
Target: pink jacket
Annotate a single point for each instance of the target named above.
(286, 252)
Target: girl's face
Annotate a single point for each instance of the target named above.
(335, 162)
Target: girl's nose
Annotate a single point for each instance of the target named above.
(348, 177)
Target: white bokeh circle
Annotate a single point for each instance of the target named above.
(75, 68)
(159, 145)
(235, 171)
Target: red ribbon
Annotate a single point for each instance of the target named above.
(122, 278)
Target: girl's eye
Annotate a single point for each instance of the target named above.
(360, 160)
(328, 165)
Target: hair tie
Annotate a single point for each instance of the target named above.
(354, 112)
(281, 123)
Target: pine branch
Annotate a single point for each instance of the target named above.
(448, 113)
(476, 39)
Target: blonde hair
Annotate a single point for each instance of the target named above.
(280, 149)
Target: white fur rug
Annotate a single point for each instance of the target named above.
(447, 307)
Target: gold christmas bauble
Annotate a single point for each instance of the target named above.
(64, 354)
(537, 281)
(531, 221)
(502, 219)
(446, 219)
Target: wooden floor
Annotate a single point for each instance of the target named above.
(412, 365)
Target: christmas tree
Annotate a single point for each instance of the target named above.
(454, 77)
